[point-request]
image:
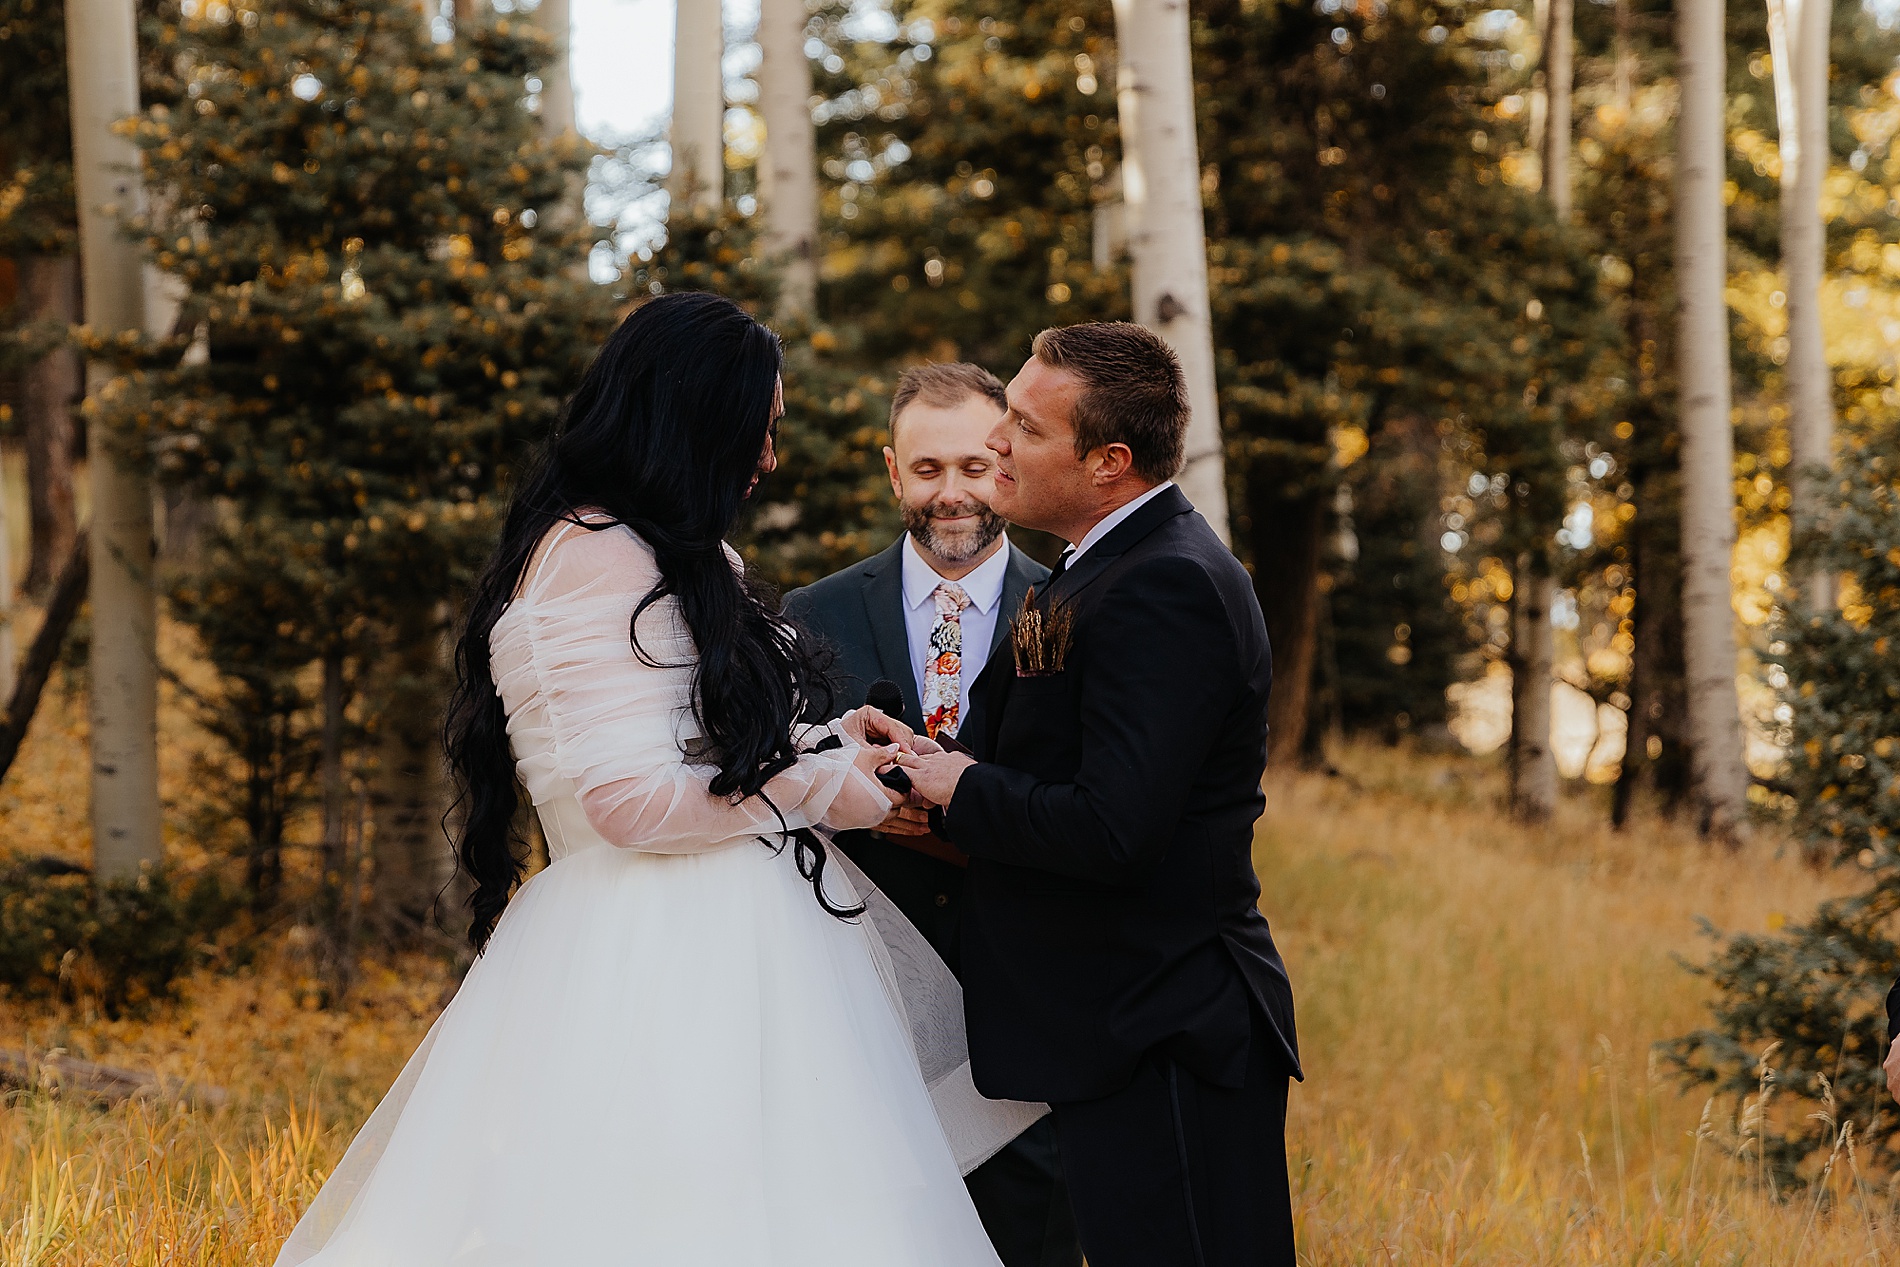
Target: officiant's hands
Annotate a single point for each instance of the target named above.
(912, 818)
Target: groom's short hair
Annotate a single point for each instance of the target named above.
(945, 386)
(1133, 391)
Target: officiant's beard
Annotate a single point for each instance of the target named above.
(953, 545)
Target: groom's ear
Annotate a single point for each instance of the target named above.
(1110, 462)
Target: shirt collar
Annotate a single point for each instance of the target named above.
(1113, 520)
(984, 585)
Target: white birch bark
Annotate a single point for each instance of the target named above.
(1559, 62)
(788, 169)
(1624, 89)
(557, 80)
(1167, 238)
(697, 133)
(102, 68)
(1798, 40)
(1533, 763)
(1719, 779)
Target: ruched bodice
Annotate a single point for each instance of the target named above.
(600, 732)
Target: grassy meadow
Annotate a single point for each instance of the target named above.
(1477, 1007)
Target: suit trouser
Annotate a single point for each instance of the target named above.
(1024, 1204)
(1171, 1171)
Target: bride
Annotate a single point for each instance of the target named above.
(679, 1045)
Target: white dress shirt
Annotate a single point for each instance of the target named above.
(985, 589)
(1111, 520)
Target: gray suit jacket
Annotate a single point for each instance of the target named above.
(859, 613)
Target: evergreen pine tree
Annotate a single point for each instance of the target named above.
(1396, 644)
(957, 173)
(1374, 267)
(387, 316)
(1815, 989)
(36, 175)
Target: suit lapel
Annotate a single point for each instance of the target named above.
(990, 693)
(987, 693)
(1016, 584)
(884, 608)
(1124, 536)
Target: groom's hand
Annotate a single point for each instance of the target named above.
(934, 775)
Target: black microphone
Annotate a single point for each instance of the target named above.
(888, 698)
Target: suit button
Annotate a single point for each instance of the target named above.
(943, 899)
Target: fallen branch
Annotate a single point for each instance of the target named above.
(110, 1084)
(69, 593)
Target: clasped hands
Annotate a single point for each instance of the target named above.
(933, 771)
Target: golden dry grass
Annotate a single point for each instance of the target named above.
(1478, 1006)
(1477, 1003)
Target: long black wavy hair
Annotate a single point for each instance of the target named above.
(664, 434)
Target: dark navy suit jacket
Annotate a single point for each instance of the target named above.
(1111, 908)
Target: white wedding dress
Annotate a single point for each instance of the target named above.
(668, 1055)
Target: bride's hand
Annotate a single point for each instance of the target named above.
(857, 806)
(867, 726)
(878, 757)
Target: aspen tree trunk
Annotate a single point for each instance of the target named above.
(102, 69)
(1533, 765)
(1625, 63)
(1538, 115)
(1161, 185)
(339, 882)
(1718, 777)
(788, 170)
(49, 286)
(697, 133)
(557, 77)
(1559, 62)
(1798, 39)
(558, 121)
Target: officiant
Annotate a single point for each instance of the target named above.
(925, 615)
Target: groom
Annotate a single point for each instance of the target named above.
(1114, 960)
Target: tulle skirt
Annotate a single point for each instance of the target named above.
(663, 1060)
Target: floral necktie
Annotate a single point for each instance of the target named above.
(943, 667)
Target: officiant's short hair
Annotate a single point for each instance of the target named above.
(945, 386)
(1133, 391)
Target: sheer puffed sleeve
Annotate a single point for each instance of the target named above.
(616, 725)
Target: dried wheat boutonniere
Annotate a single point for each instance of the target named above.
(1041, 639)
